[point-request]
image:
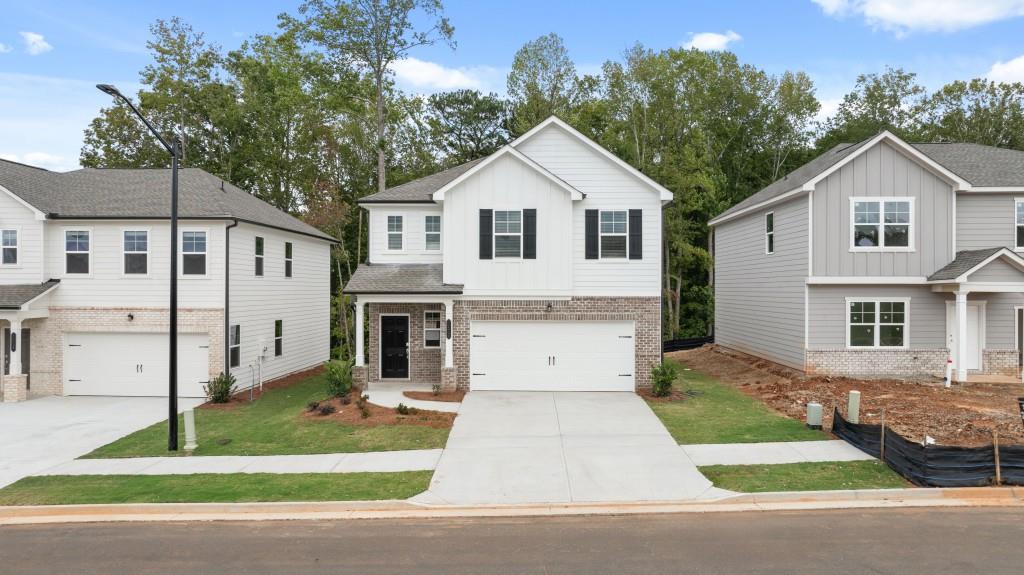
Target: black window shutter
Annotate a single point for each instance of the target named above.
(530, 234)
(590, 230)
(486, 234)
(636, 234)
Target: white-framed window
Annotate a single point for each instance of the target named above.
(193, 253)
(136, 252)
(614, 231)
(508, 233)
(235, 345)
(77, 252)
(259, 255)
(288, 259)
(278, 338)
(395, 233)
(769, 233)
(878, 224)
(432, 230)
(431, 329)
(1018, 204)
(877, 322)
(8, 247)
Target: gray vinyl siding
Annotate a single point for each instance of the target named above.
(999, 318)
(997, 270)
(828, 308)
(985, 221)
(759, 298)
(882, 171)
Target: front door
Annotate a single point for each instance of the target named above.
(394, 346)
(975, 334)
(25, 345)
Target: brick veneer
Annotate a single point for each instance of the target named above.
(877, 362)
(424, 363)
(13, 388)
(999, 361)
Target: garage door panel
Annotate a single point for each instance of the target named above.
(132, 364)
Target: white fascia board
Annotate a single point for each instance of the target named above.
(760, 205)
(663, 192)
(35, 211)
(994, 189)
(866, 280)
(508, 149)
(28, 305)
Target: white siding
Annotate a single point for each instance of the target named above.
(607, 186)
(14, 215)
(414, 248)
(302, 301)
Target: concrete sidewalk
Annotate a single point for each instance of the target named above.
(773, 452)
(378, 461)
(389, 394)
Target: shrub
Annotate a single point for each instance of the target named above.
(327, 409)
(221, 388)
(404, 409)
(364, 410)
(662, 378)
(436, 389)
(339, 378)
(311, 406)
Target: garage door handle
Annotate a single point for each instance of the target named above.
(625, 337)
(625, 375)
(479, 374)
(74, 380)
(477, 335)
(74, 345)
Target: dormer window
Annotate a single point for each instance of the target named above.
(9, 247)
(881, 225)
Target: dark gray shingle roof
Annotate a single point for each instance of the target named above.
(982, 166)
(399, 278)
(15, 296)
(421, 190)
(141, 193)
(962, 263)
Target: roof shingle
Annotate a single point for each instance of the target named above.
(962, 263)
(15, 296)
(400, 278)
(421, 190)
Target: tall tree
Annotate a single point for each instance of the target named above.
(892, 101)
(542, 82)
(466, 125)
(978, 111)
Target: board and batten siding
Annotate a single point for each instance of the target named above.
(414, 240)
(607, 186)
(29, 269)
(759, 297)
(301, 301)
(508, 183)
(985, 221)
(882, 172)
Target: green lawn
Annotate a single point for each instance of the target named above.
(213, 488)
(804, 476)
(719, 413)
(273, 425)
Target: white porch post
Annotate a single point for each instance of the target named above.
(448, 341)
(360, 355)
(15, 341)
(961, 336)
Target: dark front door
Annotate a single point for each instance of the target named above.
(394, 346)
(25, 345)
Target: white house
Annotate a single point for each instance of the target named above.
(535, 268)
(84, 280)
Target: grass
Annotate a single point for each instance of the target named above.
(719, 413)
(274, 425)
(213, 488)
(804, 476)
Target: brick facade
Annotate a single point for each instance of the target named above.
(424, 363)
(999, 362)
(877, 362)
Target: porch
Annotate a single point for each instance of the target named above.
(20, 304)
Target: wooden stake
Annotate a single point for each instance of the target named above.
(995, 449)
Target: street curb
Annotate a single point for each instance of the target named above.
(778, 501)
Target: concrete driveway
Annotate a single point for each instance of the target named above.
(539, 447)
(41, 433)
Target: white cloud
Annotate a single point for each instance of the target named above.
(35, 44)
(4, 48)
(829, 106)
(42, 160)
(1009, 71)
(424, 75)
(712, 40)
(902, 16)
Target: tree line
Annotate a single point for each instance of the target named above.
(310, 119)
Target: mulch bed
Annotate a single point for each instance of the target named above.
(962, 415)
(347, 412)
(242, 397)
(675, 395)
(452, 396)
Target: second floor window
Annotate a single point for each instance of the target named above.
(432, 225)
(287, 259)
(881, 224)
(613, 234)
(136, 252)
(9, 247)
(508, 234)
(1019, 204)
(259, 256)
(193, 253)
(76, 251)
(394, 232)
(769, 233)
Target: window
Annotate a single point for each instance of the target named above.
(613, 234)
(136, 252)
(508, 234)
(235, 346)
(278, 338)
(8, 247)
(76, 252)
(877, 323)
(259, 256)
(287, 259)
(1019, 203)
(193, 253)
(769, 233)
(432, 225)
(881, 224)
(431, 329)
(394, 232)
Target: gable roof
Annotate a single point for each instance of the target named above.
(17, 295)
(970, 261)
(419, 191)
(982, 166)
(508, 150)
(141, 194)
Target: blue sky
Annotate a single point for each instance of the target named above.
(52, 53)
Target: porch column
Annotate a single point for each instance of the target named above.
(14, 344)
(449, 338)
(360, 356)
(961, 336)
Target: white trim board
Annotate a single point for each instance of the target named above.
(867, 280)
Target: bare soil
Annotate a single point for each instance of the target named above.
(451, 396)
(242, 397)
(963, 415)
(347, 411)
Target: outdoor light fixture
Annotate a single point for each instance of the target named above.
(548, 308)
(172, 371)
(131, 317)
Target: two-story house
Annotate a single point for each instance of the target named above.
(881, 258)
(84, 283)
(535, 268)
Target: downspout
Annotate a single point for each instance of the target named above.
(227, 296)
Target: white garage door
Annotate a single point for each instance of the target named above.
(551, 356)
(133, 364)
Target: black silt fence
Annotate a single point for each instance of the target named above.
(687, 343)
(934, 465)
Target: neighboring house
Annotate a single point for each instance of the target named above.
(535, 268)
(880, 258)
(84, 280)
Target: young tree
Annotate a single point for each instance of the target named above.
(466, 125)
(542, 82)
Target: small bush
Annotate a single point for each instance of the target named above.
(221, 388)
(311, 406)
(327, 409)
(404, 409)
(345, 400)
(339, 378)
(436, 389)
(364, 411)
(662, 378)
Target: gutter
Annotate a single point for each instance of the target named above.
(227, 296)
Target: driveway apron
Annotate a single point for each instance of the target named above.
(557, 447)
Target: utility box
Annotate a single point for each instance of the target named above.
(814, 415)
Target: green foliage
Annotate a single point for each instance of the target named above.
(542, 83)
(662, 378)
(815, 476)
(339, 377)
(221, 388)
(404, 409)
(466, 124)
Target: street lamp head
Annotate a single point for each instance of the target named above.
(109, 89)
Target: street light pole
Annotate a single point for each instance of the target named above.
(172, 375)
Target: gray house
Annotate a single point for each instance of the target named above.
(881, 258)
